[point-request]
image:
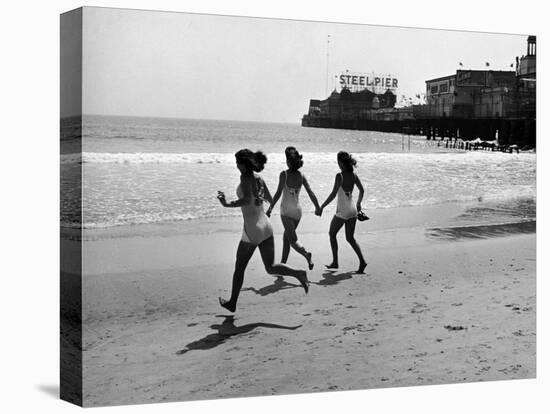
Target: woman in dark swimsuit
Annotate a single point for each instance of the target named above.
(257, 231)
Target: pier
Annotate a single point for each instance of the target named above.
(469, 105)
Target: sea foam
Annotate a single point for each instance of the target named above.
(311, 157)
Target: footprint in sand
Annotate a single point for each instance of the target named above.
(323, 312)
(419, 308)
(455, 328)
(512, 369)
(359, 328)
(514, 306)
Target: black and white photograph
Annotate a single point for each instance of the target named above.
(259, 206)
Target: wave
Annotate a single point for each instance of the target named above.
(146, 158)
(516, 214)
(159, 218)
(120, 196)
(482, 231)
(226, 158)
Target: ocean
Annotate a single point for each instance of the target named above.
(156, 170)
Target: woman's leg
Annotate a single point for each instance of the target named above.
(267, 250)
(290, 225)
(350, 237)
(286, 243)
(244, 253)
(335, 226)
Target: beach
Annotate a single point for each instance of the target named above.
(448, 295)
(438, 304)
(191, 128)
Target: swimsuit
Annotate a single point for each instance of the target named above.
(257, 226)
(290, 206)
(345, 207)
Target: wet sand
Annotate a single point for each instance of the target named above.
(431, 309)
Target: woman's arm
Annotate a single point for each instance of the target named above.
(277, 193)
(337, 184)
(267, 194)
(310, 193)
(361, 191)
(245, 199)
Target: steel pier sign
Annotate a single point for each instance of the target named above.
(373, 82)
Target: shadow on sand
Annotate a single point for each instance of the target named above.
(279, 284)
(225, 331)
(330, 277)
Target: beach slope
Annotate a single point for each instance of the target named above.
(444, 311)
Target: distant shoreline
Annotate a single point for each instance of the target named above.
(179, 118)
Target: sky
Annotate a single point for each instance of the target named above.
(161, 64)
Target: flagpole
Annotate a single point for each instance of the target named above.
(326, 82)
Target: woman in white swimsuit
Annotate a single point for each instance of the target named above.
(346, 210)
(290, 184)
(257, 231)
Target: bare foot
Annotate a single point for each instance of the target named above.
(227, 305)
(362, 267)
(303, 280)
(309, 262)
(332, 266)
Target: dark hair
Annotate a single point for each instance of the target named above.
(254, 161)
(347, 161)
(294, 158)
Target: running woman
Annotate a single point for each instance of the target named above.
(346, 209)
(290, 184)
(257, 231)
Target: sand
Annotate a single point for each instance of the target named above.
(429, 310)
